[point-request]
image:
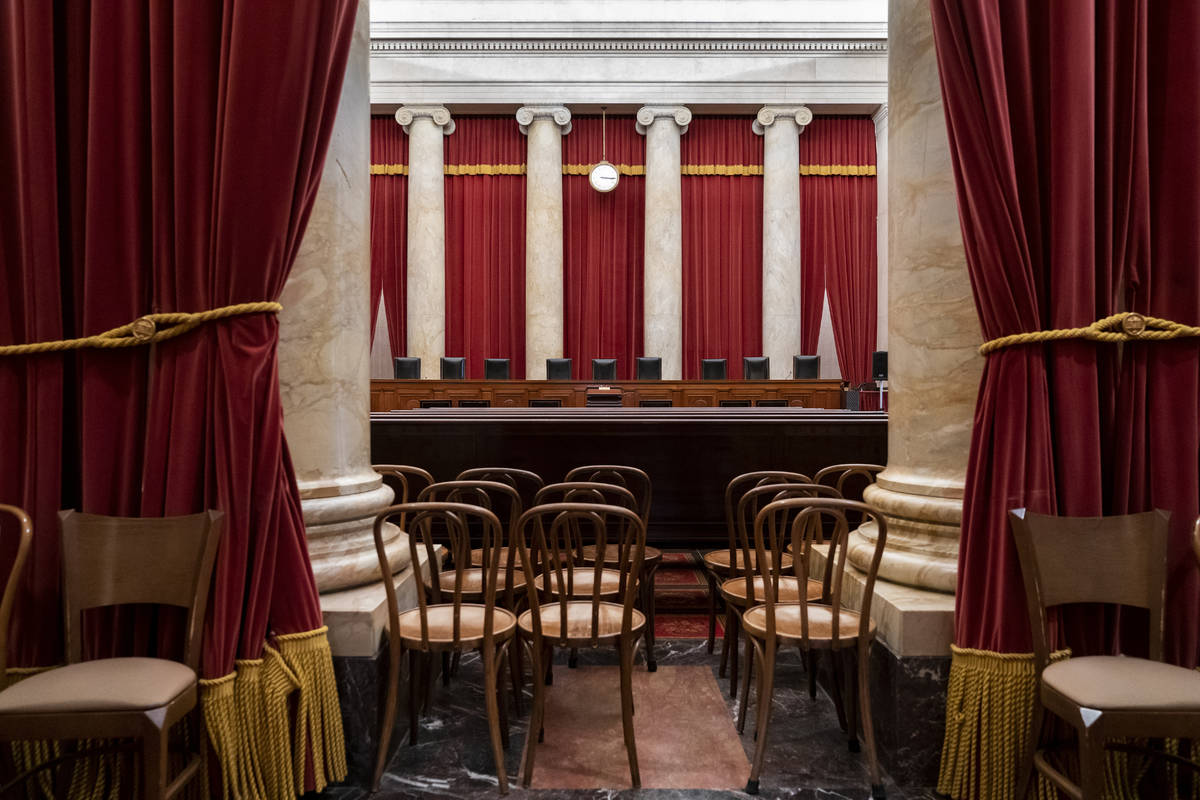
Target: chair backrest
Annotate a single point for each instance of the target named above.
(109, 561)
(631, 478)
(449, 525)
(756, 368)
(805, 367)
(1068, 560)
(24, 537)
(649, 368)
(712, 369)
(739, 485)
(558, 369)
(525, 482)
(604, 369)
(495, 369)
(851, 480)
(802, 533)
(879, 365)
(406, 482)
(544, 534)
(454, 369)
(759, 496)
(406, 368)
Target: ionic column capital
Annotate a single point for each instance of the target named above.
(439, 115)
(880, 117)
(646, 116)
(561, 115)
(767, 115)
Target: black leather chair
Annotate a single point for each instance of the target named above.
(649, 368)
(406, 369)
(604, 369)
(806, 367)
(495, 369)
(558, 369)
(454, 369)
(712, 369)
(879, 365)
(756, 368)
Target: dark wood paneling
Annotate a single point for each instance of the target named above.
(689, 453)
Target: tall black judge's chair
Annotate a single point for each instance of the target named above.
(558, 369)
(495, 369)
(879, 366)
(756, 368)
(454, 369)
(712, 369)
(604, 369)
(649, 368)
(406, 369)
(806, 367)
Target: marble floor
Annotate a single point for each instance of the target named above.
(807, 757)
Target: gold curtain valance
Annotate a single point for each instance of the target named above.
(853, 170)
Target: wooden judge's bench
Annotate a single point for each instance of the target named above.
(392, 395)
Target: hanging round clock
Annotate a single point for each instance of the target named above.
(604, 177)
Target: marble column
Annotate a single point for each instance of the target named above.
(545, 126)
(662, 281)
(425, 316)
(933, 332)
(324, 344)
(880, 117)
(780, 127)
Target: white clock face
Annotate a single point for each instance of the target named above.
(604, 177)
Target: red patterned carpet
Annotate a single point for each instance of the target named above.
(681, 597)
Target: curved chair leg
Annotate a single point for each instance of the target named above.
(502, 660)
(535, 716)
(766, 688)
(627, 651)
(648, 607)
(415, 668)
(712, 616)
(864, 699)
(852, 707)
(836, 685)
(516, 668)
(389, 715)
(493, 714)
(733, 636)
(750, 664)
(725, 645)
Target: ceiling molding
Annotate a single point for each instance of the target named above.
(485, 47)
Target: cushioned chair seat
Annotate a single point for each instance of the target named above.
(734, 589)
(653, 554)
(579, 620)
(473, 580)
(1113, 683)
(787, 622)
(718, 560)
(582, 580)
(441, 624)
(106, 684)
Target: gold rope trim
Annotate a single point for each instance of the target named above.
(389, 169)
(1127, 326)
(318, 714)
(852, 170)
(721, 169)
(862, 170)
(584, 169)
(143, 330)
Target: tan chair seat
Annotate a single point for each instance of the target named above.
(106, 684)
(787, 622)
(734, 589)
(441, 624)
(579, 620)
(582, 581)
(477, 558)
(653, 555)
(718, 560)
(473, 580)
(1114, 683)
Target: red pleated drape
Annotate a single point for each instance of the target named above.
(838, 255)
(1068, 127)
(389, 228)
(145, 180)
(485, 242)
(722, 222)
(603, 246)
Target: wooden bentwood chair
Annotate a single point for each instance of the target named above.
(20, 554)
(1122, 560)
(549, 535)
(448, 623)
(111, 561)
(810, 626)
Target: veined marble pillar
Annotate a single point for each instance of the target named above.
(880, 118)
(662, 281)
(324, 343)
(933, 331)
(545, 126)
(425, 316)
(781, 126)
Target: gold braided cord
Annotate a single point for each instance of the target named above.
(144, 330)
(853, 170)
(1127, 326)
(318, 713)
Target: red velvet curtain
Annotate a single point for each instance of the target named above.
(837, 238)
(143, 178)
(722, 162)
(389, 228)
(603, 247)
(485, 242)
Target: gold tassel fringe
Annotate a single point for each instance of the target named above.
(318, 714)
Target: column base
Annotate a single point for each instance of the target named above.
(922, 538)
(341, 538)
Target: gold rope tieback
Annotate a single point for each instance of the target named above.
(1127, 326)
(143, 330)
